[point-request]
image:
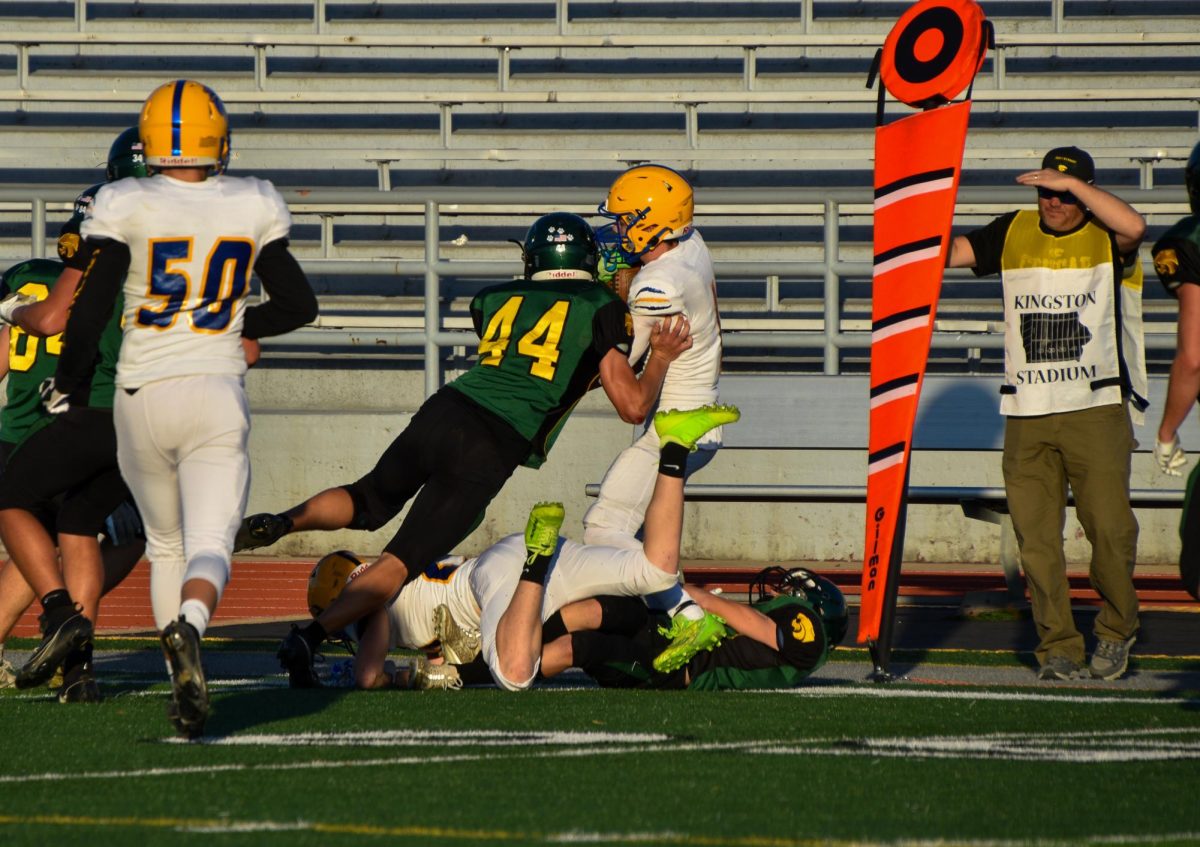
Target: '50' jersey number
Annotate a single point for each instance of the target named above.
(226, 277)
(539, 344)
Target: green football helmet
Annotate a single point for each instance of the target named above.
(820, 593)
(125, 157)
(1191, 179)
(560, 246)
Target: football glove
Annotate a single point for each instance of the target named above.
(1170, 456)
(13, 302)
(124, 525)
(54, 401)
(611, 261)
(611, 258)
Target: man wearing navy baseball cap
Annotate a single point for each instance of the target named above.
(1075, 375)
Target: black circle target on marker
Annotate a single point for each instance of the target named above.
(933, 52)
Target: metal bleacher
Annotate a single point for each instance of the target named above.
(413, 139)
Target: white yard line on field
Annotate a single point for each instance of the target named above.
(1063, 748)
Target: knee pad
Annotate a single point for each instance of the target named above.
(370, 511)
(212, 567)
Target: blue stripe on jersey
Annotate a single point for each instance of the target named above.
(176, 118)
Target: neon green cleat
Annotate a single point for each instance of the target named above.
(687, 639)
(541, 532)
(688, 426)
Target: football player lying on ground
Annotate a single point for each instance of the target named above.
(794, 621)
(498, 602)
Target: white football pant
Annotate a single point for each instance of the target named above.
(577, 573)
(181, 445)
(616, 517)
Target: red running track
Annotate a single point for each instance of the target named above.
(265, 590)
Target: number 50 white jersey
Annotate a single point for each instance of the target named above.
(192, 246)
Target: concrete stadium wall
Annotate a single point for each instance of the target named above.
(318, 428)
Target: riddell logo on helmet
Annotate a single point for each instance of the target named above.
(560, 273)
(357, 572)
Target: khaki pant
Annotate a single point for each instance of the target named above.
(1090, 449)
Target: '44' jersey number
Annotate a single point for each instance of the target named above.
(23, 348)
(539, 344)
(226, 275)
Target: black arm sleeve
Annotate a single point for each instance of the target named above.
(988, 244)
(91, 311)
(292, 302)
(799, 645)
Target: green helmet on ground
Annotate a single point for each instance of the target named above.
(560, 246)
(125, 157)
(826, 598)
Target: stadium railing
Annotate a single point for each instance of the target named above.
(774, 302)
(564, 14)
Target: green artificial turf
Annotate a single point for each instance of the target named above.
(850, 764)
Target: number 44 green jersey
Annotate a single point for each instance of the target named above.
(540, 346)
(30, 359)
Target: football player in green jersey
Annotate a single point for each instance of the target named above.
(63, 464)
(543, 342)
(29, 360)
(794, 620)
(1177, 263)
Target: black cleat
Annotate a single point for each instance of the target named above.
(74, 633)
(79, 685)
(296, 657)
(261, 530)
(188, 709)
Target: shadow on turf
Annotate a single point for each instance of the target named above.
(242, 710)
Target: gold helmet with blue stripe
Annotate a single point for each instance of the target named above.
(329, 576)
(649, 204)
(184, 125)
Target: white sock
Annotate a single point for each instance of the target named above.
(688, 609)
(195, 613)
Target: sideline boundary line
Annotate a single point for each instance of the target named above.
(201, 826)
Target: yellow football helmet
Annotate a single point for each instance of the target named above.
(184, 125)
(648, 204)
(330, 575)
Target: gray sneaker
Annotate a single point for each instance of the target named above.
(8, 674)
(1060, 667)
(1111, 658)
(424, 676)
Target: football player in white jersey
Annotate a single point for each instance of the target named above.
(671, 274)
(185, 241)
(500, 600)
